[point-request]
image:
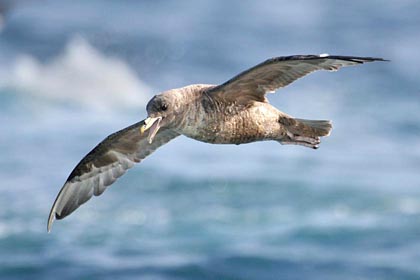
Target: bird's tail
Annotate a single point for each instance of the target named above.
(313, 128)
(306, 132)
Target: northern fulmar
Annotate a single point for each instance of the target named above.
(235, 112)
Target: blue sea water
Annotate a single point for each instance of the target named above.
(72, 72)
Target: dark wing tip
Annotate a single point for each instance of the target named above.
(357, 59)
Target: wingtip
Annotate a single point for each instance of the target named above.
(50, 221)
(359, 59)
(377, 59)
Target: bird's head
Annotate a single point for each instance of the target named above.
(161, 111)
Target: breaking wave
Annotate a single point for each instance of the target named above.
(82, 76)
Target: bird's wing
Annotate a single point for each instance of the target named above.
(254, 83)
(109, 160)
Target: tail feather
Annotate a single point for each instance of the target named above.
(311, 128)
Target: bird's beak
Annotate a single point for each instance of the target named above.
(153, 124)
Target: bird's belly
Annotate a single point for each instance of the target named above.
(235, 130)
(232, 124)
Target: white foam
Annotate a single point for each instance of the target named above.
(409, 206)
(81, 75)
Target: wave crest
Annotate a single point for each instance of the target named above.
(81, 75)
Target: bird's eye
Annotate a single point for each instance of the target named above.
(164, 107)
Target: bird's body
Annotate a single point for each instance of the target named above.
(207, 119)
(235, 112)
(214, 122)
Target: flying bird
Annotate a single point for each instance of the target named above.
(235, 112)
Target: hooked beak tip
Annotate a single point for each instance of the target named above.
(153, 125)
(142, 129)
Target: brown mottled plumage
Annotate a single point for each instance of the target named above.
(235, 112)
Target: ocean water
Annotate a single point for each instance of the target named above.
(72, 72)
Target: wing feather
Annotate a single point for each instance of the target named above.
(102, 166)
(254, 83)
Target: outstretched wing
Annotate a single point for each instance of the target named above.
(278, 72)
(100, 168)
